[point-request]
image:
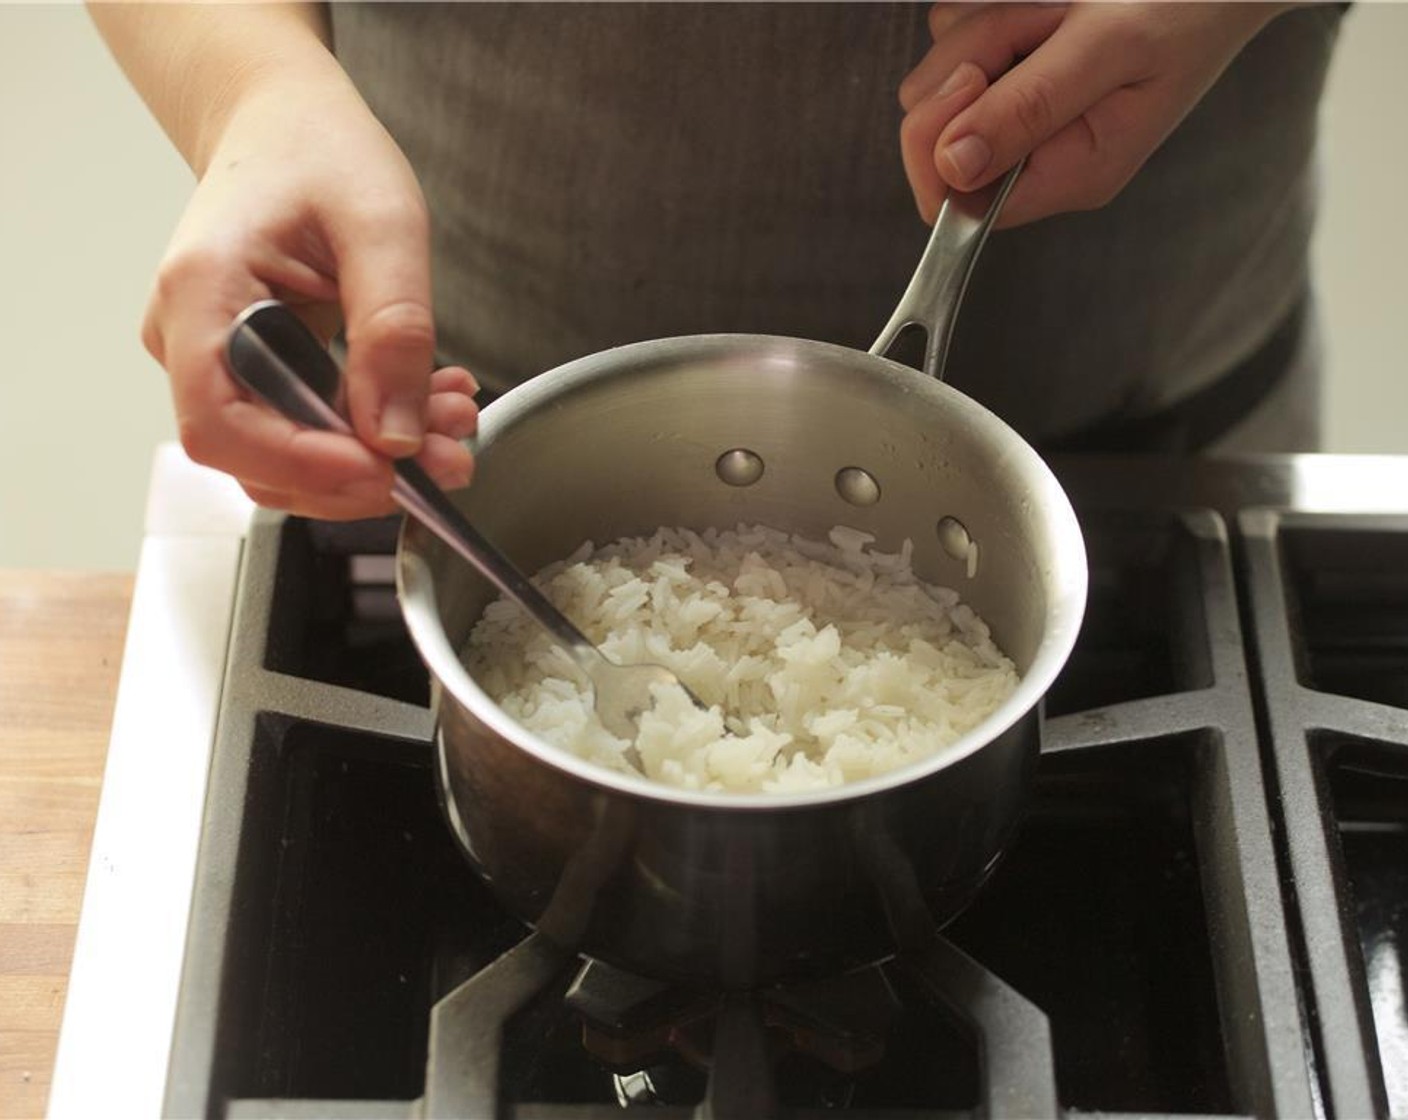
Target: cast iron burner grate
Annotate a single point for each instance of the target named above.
(1329, 598)
(1130, 956)
(742, 1078)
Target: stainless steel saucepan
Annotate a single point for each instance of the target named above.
(714, 430)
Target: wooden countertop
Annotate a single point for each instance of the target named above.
(61, 636)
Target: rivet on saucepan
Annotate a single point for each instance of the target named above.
(955, 540)
(739, 467)
(857, 486)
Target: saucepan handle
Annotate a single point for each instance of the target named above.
(936, 289)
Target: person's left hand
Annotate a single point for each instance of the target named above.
(1086, 91)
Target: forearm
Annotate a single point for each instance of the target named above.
(193, 64)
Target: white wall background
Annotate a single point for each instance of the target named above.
(90, 191)
(1361, 247)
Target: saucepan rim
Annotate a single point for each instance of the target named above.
(1068, 584)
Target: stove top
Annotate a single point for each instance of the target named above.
(1204, 914)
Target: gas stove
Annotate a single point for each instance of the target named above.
(1204, 914)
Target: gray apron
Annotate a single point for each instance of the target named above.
(601, 173)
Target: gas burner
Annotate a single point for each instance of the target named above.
(627, 1020)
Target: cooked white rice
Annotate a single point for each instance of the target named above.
(821, 663)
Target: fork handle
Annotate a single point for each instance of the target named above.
(416, 493)
(277, 358)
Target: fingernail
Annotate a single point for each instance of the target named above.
(955, 81)
(967, 158)
(402, 423)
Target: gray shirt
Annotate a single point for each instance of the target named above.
(603, 173)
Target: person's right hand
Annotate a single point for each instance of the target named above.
(305, 198)
(1086, 92)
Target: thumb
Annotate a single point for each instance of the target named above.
(384, 280)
